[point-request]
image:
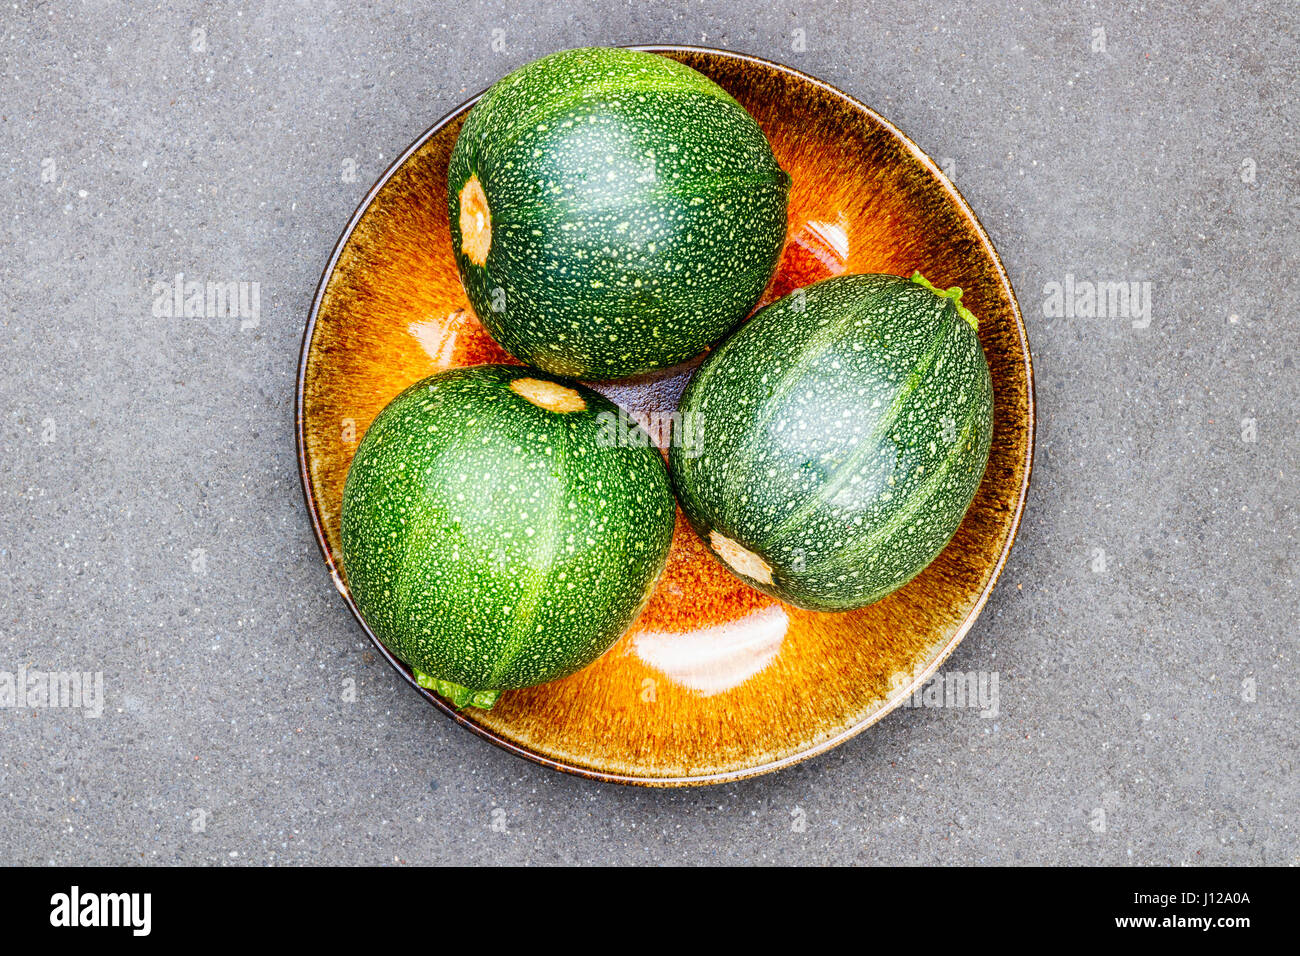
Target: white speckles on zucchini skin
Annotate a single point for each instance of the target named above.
(637, 212)
(493, 544)
(843, 441)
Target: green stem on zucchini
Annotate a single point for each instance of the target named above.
(461, 697)
(955, 294)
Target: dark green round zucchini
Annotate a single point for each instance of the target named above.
(502, 528)
(840, 436)
(612, 212)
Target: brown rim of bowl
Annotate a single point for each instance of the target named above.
(710, 778)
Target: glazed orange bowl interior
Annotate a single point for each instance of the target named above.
(714, 681)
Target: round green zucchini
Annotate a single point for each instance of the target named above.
(838, 439)
(613, 212)
(502, 528)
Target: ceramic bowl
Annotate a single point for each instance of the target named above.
(714, 681)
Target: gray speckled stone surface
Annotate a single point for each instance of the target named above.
(152, 527)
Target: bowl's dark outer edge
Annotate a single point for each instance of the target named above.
(703, 779)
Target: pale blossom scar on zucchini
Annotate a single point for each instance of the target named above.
(548, 395)
(475, 222)
(740, 558)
